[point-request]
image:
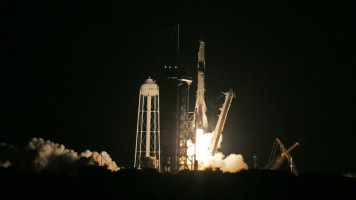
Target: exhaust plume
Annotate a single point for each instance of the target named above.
(231, 163)
(39, 155)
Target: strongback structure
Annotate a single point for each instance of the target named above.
(221, 121)
(147, 149)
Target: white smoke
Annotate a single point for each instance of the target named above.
(102, 159)
(41, 155)
(231, 163)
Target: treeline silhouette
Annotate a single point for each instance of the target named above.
(93, 182)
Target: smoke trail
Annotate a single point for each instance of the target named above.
(41, 155)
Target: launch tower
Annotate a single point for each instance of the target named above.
(188, 122)
(185, 125)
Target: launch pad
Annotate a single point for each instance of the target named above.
(193, 146)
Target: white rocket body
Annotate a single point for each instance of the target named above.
(200, 106)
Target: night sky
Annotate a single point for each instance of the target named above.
(71, 72)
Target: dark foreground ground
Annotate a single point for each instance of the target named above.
(98, 183)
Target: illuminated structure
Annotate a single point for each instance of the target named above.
(185, 125)
(275, 162)
(188, 122)
(147, 149)
(221, 121)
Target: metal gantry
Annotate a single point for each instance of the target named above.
(185, 126)
(275, 162)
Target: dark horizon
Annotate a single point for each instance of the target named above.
(71, 74)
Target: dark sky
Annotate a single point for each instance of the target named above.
(71, 72)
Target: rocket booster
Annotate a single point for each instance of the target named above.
(200, 106)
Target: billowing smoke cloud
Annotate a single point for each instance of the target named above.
(231, 163)
(103, 159)
(41, 155)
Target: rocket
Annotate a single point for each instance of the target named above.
(201, 56)
(200, 106)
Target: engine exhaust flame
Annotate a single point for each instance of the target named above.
(231, 163)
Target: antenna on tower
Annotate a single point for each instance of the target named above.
(178, 40)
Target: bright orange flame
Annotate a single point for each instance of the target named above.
(232, 163)
(203, 154)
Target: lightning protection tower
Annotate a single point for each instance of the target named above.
(147, 149)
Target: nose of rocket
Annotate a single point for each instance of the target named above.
(201, 56)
